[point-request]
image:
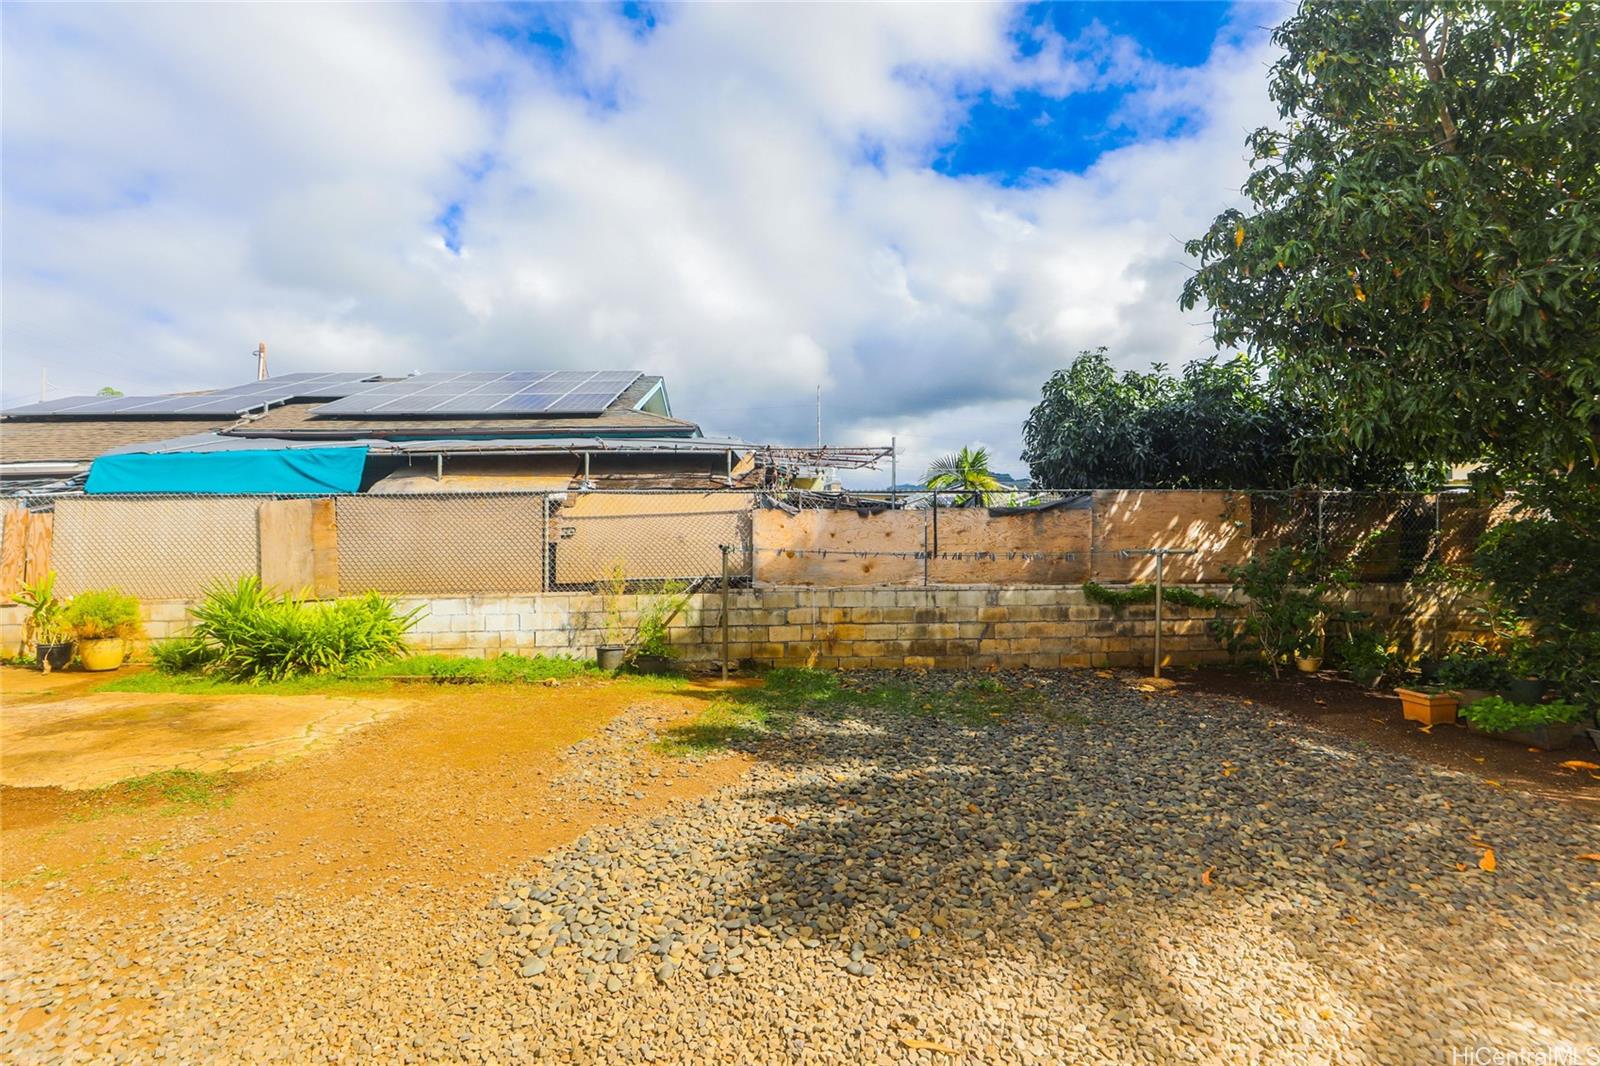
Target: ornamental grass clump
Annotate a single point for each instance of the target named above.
(244, 632)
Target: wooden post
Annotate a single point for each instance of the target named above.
(1161, 555)
(725, 550)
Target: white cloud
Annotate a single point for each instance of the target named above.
(740, 199)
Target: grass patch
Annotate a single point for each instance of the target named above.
(202, 685)
(744, 714)
(172, 792)
(502, 669)
(444, 669)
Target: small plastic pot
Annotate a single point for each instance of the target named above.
(609, 657)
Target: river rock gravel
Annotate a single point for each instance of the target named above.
(1137, 877)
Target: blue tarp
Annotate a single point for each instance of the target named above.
(276, 470)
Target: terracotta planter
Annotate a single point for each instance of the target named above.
(1429, 708)
(106, 654)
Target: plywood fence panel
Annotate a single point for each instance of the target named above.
(157, 548)
(781, 540)
(1462, 523)
(1050, 535)
(13, 552)
(1214, 524)
(40, 544)
(650, 536)
(300, 547)
(286, 556)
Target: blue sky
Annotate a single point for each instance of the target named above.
(922, 209)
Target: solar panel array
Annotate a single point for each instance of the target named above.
(222, 403)
(487, 393)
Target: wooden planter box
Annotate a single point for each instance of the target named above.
(1429, 708)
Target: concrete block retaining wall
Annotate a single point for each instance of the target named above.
(946, 627)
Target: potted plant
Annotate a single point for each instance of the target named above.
(1308, 655)
(1428, 704)
(1541, 725)
(612, 653)
(1473, 671)
(1523, 683)
(652, 651)
(47, 624)
(104, 620)
(1309, 647)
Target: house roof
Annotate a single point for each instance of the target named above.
(299, 420)
(34, 439)
(83, 440)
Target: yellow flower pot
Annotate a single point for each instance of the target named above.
(106, 654)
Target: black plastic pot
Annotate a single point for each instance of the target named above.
(1525, 690)
(609, 656)
(653, 664)
(58, 655)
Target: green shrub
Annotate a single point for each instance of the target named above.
(1287, 605)
(1367, 655)
(1473, 666)
(180, 655)
(1495, 714)
(102, 614)
(655, 615)
(249, 634)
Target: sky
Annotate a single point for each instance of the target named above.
(922, 210)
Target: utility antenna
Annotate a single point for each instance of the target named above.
(42, 386)
(261, 360)
(819, 417)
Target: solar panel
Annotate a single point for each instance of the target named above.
(487, 393)
(235, 400)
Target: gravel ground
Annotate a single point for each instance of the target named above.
(1145, 878)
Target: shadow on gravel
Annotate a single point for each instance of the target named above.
(930, 842)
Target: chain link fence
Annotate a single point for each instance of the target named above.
(174, 547)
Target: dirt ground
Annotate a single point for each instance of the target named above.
(450, 785)
(90, 741)
(1374, 716)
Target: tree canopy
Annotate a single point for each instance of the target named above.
(1220, 424)
(1421, 254)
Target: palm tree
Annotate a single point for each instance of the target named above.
(967, 472)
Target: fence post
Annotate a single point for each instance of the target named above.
(1161, 556)
(725, 612)
(1320, 497)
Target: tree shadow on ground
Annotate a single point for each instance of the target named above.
(930, 845)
